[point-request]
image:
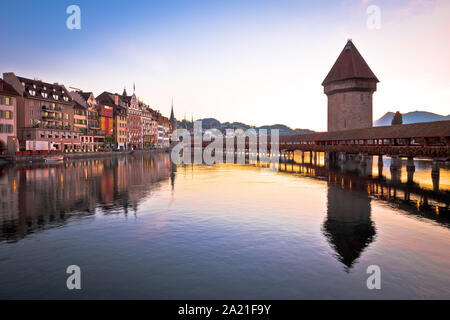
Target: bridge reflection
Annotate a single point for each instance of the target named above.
(352, 187)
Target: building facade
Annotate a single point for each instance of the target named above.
(44, 115)
(120, 123)
(163, 132)
(106, 117)
(8, 114)
(146, 124)
(93, 119)
(349, 87)
(119, 118)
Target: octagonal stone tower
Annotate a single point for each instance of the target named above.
(349, 86)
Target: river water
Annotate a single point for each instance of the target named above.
(140, 227)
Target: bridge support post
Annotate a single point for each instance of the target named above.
(315, 158)
(327, 159)
(342, 159)
(410, 169)
(380, 166)
(396, 169)
(365, 165)
(303, 157)
(435, 173)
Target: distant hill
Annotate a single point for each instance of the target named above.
(209, 123)
(411, 117)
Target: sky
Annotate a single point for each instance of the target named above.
(258, 62)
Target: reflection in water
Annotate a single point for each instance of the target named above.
(348, 226)
(221, 231)
(351, 187)
(41, 197)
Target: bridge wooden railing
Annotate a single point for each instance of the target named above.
(403, 151)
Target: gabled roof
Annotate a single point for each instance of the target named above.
(78, 99)
(40, 88)
(7, 89)
(108, 98)
(85, 95)
(349, 65)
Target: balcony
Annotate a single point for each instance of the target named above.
(51, 116)
(50, 108)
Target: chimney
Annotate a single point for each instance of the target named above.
(116, 99)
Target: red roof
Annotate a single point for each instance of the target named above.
(7, 89)
(349, 65)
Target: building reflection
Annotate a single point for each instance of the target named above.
(348, 226)
(34, 198)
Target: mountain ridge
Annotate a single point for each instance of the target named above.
(385, 120)
(410, 117)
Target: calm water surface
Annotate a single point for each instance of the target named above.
(139, 227)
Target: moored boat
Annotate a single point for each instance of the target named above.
(54, 159)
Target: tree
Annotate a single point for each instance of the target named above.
(397, 119)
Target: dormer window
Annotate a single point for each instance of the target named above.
(66, 98)
(55, 97)
(44, 94)
(34, 86)
(45, 88)
(32, 92)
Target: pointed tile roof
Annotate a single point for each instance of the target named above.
(79, 99)
(349, 65)
(7, 89)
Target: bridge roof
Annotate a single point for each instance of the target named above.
(414, 130)
(349, 65)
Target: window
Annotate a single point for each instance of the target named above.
(31, 112)
(6, 128)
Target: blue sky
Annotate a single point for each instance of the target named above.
(259, 62)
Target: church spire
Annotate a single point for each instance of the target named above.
(171, 112)
(124, 94)
(172, 116)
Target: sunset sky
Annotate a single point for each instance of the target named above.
(259, 62)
